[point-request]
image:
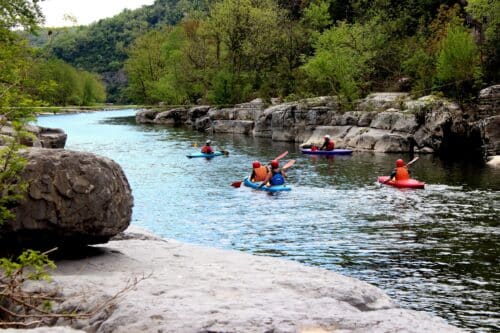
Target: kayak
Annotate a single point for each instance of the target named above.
(217, 153)
(409, 183)
(272, 189)
(327, 152)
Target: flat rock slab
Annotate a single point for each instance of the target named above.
(199, 289)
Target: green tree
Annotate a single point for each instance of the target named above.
(146, 65)
(458, 61)
(247, 35)
(343, 58)
(486, 23)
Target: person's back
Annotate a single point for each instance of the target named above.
(259, 172)
(207, 148)
(328, 144)
(277, 176)
(401, 171)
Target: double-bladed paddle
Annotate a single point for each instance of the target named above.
(238, 183)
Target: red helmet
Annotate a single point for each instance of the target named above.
(275, 164)
(256, 164)
(400, 163)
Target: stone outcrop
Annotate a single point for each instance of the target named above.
(73, 198)
(42, 137)
(197, 289)
(382, 122)
(489, 101)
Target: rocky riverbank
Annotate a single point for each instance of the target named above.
(198, 289)
(382, 122)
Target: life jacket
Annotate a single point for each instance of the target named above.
(260, 174)
(330, 145)
(402, 173)
(207, 150)
(277, 179)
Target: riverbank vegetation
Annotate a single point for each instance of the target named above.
(229, 51)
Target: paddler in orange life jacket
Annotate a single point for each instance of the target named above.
(328, 144)
(401, 171)
(276, 176)
(259, 172)
(207, 148)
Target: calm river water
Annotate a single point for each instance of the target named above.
(435, 250)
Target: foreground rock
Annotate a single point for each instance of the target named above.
(198, 289)
(73, 198)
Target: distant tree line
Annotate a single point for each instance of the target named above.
(228, 51)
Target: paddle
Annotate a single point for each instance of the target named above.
(238, 183)
(413, 161)
(288, 165)
(408, 164)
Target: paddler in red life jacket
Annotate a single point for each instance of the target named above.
(276, 176)
(259, 172)
(207, 149)
(401, 171)
(328, 144)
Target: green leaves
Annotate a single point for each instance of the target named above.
(343, 58)
(458, 58)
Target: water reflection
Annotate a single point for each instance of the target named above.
(432, 250)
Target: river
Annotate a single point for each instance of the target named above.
(434, 250)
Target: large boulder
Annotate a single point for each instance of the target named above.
(48, 137)
(489, 101)
(175, 117)
(146, 116)
(492, 135)
(73, 198)
(263, 123)
(43, 137)
(383, 101)
(233, 126)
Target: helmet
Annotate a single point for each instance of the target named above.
(275, 164)
(327, 136)
(400, 163)
(256, 164)
(208, 142)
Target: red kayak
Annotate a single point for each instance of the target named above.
(408, 183)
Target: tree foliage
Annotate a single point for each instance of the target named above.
(227, 51)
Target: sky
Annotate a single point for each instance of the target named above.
(85, 11)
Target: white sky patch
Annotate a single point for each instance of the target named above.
(85, 11)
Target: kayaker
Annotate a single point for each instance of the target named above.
(275, 176)
(328, 144)
(207, 148)
(401, 172)
(259, 172)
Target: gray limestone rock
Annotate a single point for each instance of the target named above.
(176, 117)
(146, 116)
(73, 198)
(198, 289)
(383, 101)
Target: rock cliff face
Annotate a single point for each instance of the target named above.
(73, 198)
(382, 122)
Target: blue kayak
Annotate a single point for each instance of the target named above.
(217, 153)
(327, 152)
(272, 189)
